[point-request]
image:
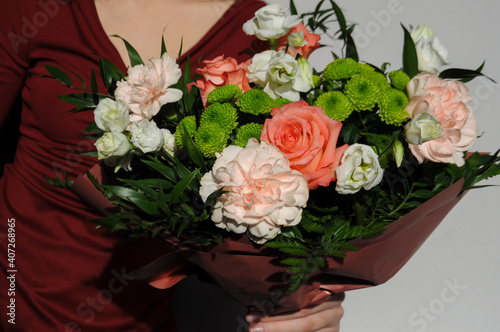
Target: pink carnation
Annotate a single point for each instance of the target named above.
(219, 72)
(445, 100)
(308, 137)
(262, 193)
(147, 87)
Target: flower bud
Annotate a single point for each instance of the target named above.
(398, 151)
(422, 128)
(359, 168)
(431, 54)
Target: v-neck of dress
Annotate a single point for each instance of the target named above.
(121, 63)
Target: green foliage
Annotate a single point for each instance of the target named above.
(410, 60)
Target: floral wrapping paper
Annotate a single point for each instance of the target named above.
(252, 275)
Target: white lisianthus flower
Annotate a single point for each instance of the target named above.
(112, 145)
(168, 142)
(359, 168)
(422, 128)
(111, 115)
(262, 194)
(257, 69)
(146, 136)
(430, 53)
(280, 74)
(270, 23)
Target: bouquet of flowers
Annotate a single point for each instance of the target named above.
(279, 181)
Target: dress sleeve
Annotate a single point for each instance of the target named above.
(16, 31)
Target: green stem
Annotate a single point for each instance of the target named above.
(404, 201)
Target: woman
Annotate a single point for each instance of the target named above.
(67, 275)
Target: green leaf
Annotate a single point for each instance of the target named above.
(180, 48)
(135, 58)
(114, 222)
(423, 194)
(132, 196)
(294, 251)
(84, 100)
(163, 46)
(82, 81)
(110, 73)
(193, 151)
(464, 75)
(93, 82)
(293, 261)
(142, 186)
(59, 75)
(89, 154)
(351, 51)
(166, 171)
(92, 128)
(410, 59)
(293, 9)
(182, 185)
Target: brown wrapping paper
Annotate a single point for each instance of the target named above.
(252, 275)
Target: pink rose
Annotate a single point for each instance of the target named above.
(304, 42)
(262, 193)
(147, 87)
(446, 101)
(308, 137)
(219, 72)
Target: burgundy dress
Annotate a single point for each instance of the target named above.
(68, 274)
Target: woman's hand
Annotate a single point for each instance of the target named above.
(324, 317)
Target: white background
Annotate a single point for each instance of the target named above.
(463, 251)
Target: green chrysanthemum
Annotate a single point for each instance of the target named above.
(246, 132)
(278, 102)
(189, 122)
(224, 94)
(392, 107)
(379, 79)
(210, 138)
(399, 79)
(363, 91)
(366, 68)
(224, 115)
(335, 104)
(255, 102)
(341, 69)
